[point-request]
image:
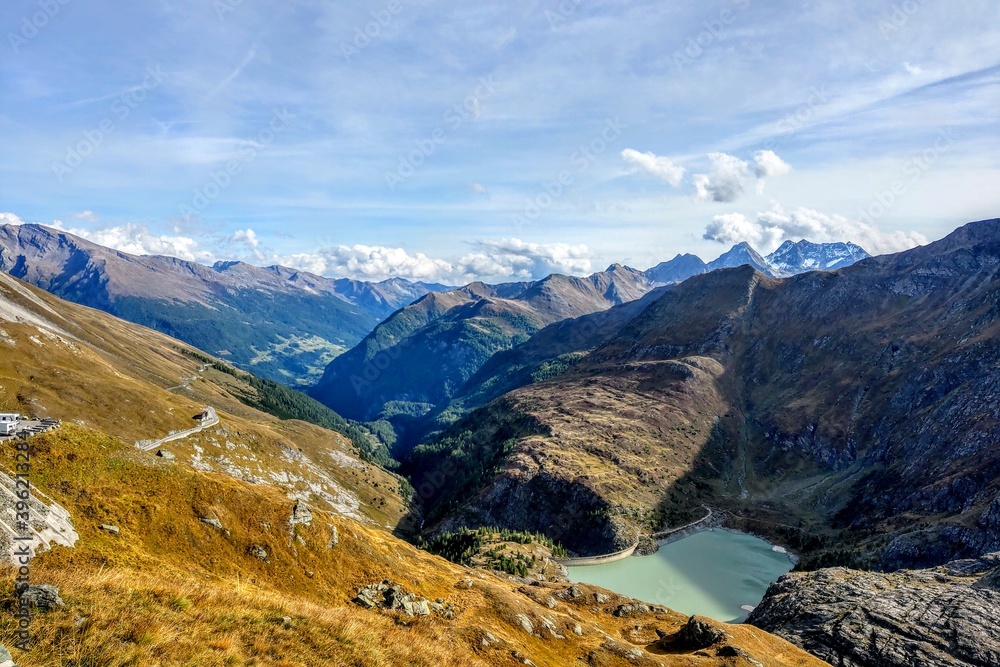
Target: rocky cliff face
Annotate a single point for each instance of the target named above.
(946, 616)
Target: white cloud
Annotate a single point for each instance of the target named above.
(662, 168)
(370, 263)
(732, 228)
(767, 163)
(478, 188)
(725, 183)
(506, 259)
(769, 229)
(516, 259)
(7, 218)
(243, 244)
(138, 240)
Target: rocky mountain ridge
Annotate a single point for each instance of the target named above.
(424, 353)
(419, 367)
(854, 407)
(789, 259)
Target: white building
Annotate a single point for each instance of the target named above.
(8, 422)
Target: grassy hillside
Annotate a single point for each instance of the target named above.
(217, 563)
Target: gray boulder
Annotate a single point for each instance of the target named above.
(213, 522)
(390, 596)
(42, 597)
(6, 660)
(945, 616)
(698, 633)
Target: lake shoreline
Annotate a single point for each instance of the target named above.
(718, 573)
(717, 519)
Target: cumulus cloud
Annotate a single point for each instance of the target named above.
(767, 163)
(139, 240)
(243, 244)
(370, 263)
(726, 181)
(732, 228)
(516, 259)
(506, 259)
(7, 218)
(662, 168)
(768, 230)
(490, 260)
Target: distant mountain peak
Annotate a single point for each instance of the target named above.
(794, 257)
(740, 254)
(791, 257)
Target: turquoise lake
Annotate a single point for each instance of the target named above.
(714, 573)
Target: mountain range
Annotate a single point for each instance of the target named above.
(789, 259)
(424, 353)
(849, 413)
(286, 324)
(414, 365)
(252, 540)
(281, 323)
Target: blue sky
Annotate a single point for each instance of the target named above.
(450, 141)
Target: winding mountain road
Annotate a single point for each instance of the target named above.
(211, 419)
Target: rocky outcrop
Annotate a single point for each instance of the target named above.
(946, 615)
(699, 633)
(5, 658)
(42, 597)
(39, 526)
(391, 596)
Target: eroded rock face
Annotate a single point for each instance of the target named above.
(945, 615)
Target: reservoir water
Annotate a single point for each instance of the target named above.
(715, 573)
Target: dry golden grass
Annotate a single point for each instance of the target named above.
(111, 375)
(172, 590)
